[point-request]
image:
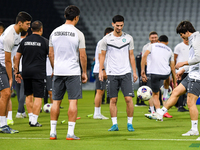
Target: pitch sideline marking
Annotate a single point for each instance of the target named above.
(132, 139)
(21, 138)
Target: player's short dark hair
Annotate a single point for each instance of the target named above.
(36, 26)
(163, 38)
(2, 24)
(108, 30)
(23, 16)
(118, 18)
(71, 12)
(152, 33)
(185, 26)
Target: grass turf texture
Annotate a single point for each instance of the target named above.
(148, 134)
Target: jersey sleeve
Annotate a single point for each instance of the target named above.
(196, 58)
(103, 44)
(131, 46)
(149, 48)
(46, 44)
(176, 49)
(8, 43)
(98, 47)
(50, 40)
(81, 40)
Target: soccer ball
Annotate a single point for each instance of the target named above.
(144, 93)
(169, 90)
(47, 107)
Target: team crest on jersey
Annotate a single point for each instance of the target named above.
(124, 40)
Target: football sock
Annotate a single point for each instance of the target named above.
(163, 111)
(165, 92)
(152, 109)
(130, 119)
(3, 121)
(30, 116)
(71, 126)
(194, 125)
(97, 111)
(53, 124)
(114, 120)
(9, 115)
(34, 119)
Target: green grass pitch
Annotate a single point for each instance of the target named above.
(148, 134)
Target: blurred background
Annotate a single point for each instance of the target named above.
(141, 17)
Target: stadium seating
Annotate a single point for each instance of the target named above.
(141, 17)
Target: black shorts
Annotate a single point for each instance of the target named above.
(100, 85)
(72, 84)
(191, 85)
(35, 87)
(121, 81)
(155, 80)
(49, 83)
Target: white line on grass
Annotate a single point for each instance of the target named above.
(21, 138)
(132, 139)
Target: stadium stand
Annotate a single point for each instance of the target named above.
(141, 17)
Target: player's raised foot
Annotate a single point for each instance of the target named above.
(130, 127)
(36, 125)
(114, 128)
(97, 116)
(103, 117)
(167, 115)
(72, 137)
(10, 122)
(53, 136)
(7, 129)
(191, 133)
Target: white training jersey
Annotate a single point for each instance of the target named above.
(145, 47)
(194, 57)
(97, 52)
(161, 55)
(9, 42)
(182, 50)
(66, 41)
(117, 48)
(48, 67)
